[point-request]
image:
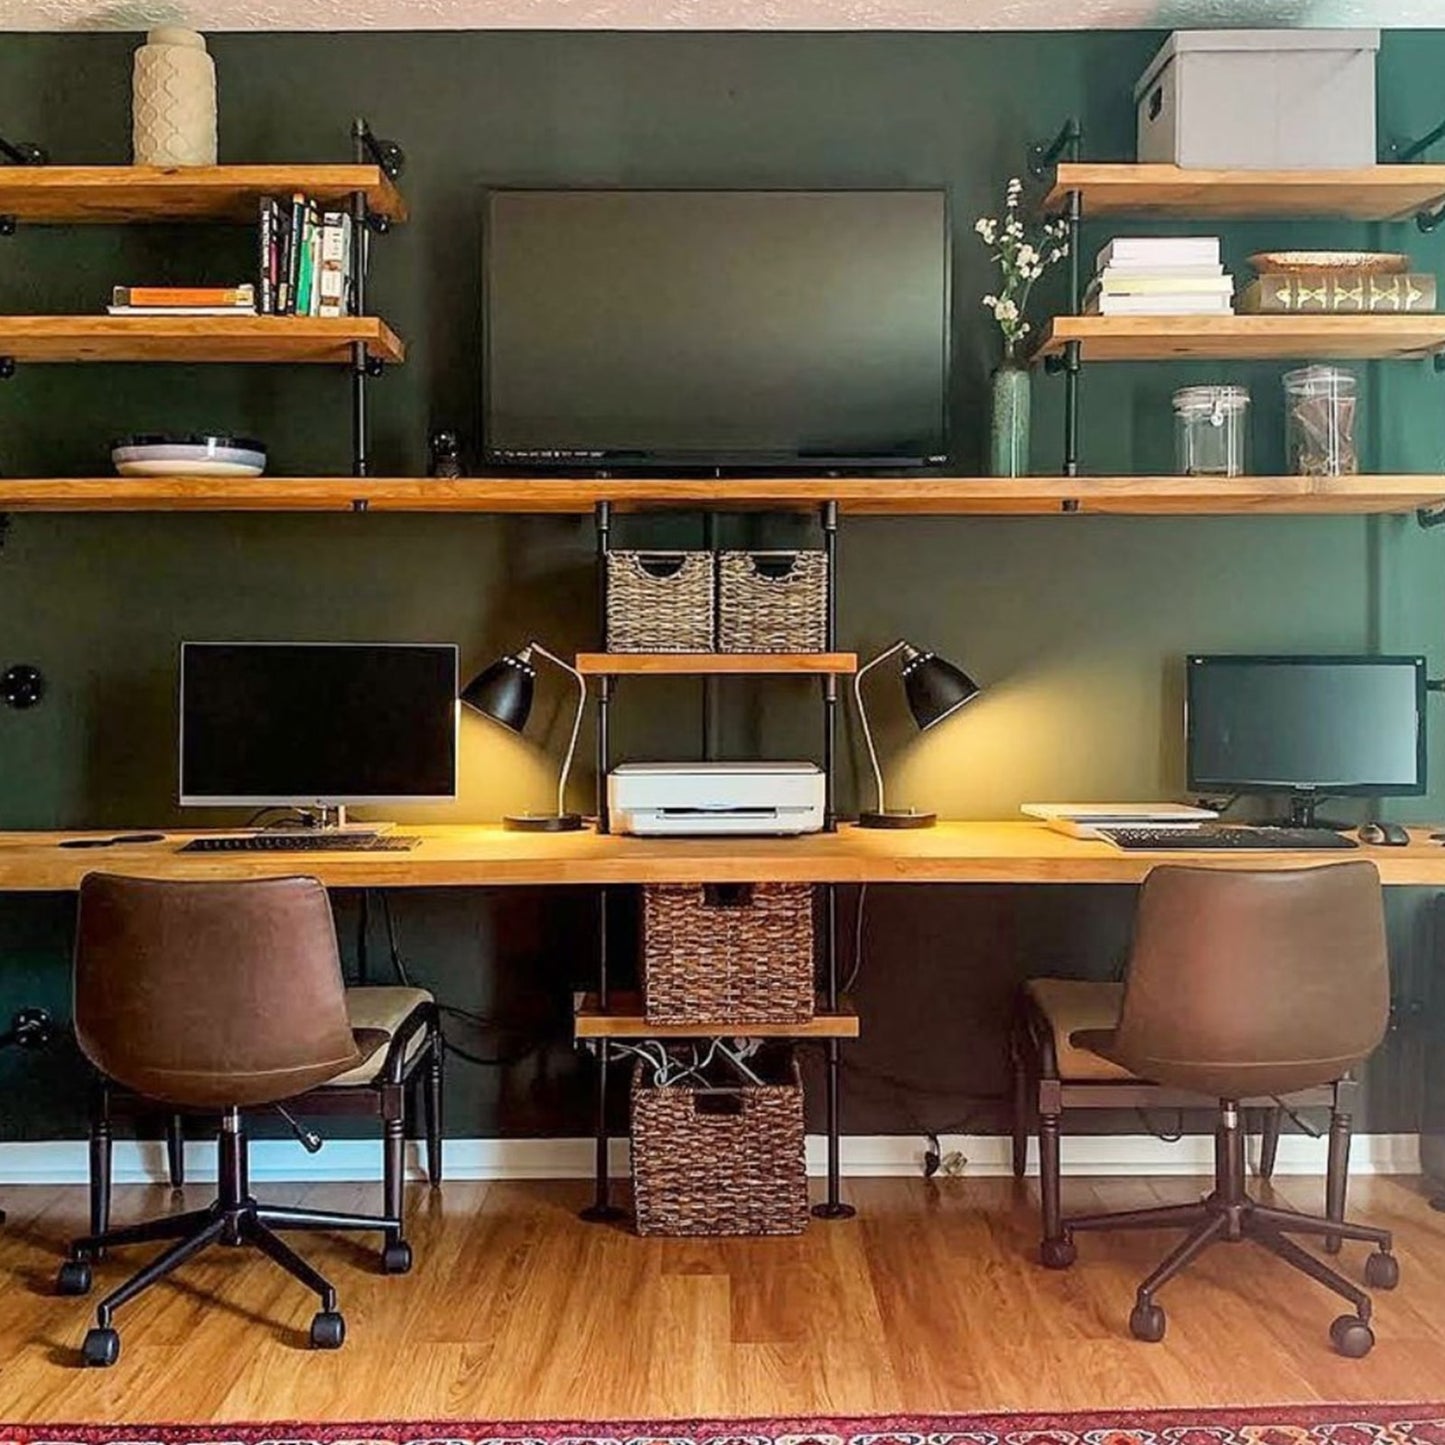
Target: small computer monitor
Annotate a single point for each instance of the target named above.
(1311, 727)
(306, 725)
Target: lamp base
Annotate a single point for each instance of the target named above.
(895, 819)
(542, 822)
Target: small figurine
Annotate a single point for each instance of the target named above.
(445, 452)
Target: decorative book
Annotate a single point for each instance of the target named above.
(1338, 291)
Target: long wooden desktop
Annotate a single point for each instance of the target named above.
(486, 855)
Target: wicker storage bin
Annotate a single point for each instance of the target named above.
(726, 1160)
(727, 953)
(773, 601)
(660, 601)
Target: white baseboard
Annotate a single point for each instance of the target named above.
(877, 1156)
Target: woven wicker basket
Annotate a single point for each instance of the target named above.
(720, 1161)
(660, 602)
(728, 953)
(772, 601)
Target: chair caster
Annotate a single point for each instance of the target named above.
(1147, 1323)
(74, 1278)
(1057, 1253)
(1352, 1337)
(396, 1257)
(101, 1347)
(1382, 1271)
(328, 1330)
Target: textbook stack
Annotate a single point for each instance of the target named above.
(306, 259)
(1160, 276)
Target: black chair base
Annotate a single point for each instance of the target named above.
(1229, 1215)
(235, 1218)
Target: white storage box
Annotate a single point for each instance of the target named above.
(1260, 100)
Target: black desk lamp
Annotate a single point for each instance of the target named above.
(503, 692)
(935, 690)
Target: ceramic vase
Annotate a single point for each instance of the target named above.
(173, 107)
(1009, 421)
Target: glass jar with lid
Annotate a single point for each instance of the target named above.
(1210, 429)
(1320, 421)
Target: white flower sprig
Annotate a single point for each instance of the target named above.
(1024, 251)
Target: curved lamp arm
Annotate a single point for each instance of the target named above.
(858, 677)
(576, 721)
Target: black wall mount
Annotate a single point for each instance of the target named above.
(22, 686)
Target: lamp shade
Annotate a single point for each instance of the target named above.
(503, 691)
(935, 688)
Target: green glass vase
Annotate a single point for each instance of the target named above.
(1008, 437)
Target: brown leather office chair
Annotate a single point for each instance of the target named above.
(215, 996)
(1249, 984)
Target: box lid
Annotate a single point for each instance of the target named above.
(1195, 42)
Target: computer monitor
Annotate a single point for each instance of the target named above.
(1312, 727)
(318, 724)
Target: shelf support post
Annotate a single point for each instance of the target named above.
(1043, 156)
(602, 520)
(830, 682)
(602, 1210)
(833, 1206)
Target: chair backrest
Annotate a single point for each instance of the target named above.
(1255, 981)
(210, 994)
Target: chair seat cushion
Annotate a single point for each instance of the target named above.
(381, 1010)
(1075, 1006)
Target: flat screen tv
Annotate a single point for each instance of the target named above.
(716, 329)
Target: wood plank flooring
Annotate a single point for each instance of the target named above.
(928, 1301)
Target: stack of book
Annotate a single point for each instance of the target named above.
(183, 300)
(306, 259)
(1160, 276)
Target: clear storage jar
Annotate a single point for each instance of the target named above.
(1319, 406)
(1209, 430)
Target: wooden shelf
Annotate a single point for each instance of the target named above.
(1246, 338)
(244, 338)
(61, 195)
(624, 1020)
(933, 496)
(693, 664)
(1371, 193)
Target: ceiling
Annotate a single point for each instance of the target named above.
(132, 15)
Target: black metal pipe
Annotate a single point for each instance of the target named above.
(830, 683)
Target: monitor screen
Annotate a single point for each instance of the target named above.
(310, 723)
(716, 327)
(1333, 725)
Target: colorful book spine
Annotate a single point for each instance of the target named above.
(331, 275)
(1338, 291)
(296, 238)
(266, 257)
(160, 296)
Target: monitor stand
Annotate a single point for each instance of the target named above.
(1302, 814)
(324, 819)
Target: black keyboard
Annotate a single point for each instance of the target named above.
(304, 843)
(1234, 838)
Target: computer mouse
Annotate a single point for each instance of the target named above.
(1385, 835)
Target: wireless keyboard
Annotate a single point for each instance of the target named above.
(1233, 838)
(304, 843)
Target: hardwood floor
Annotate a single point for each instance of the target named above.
(928, 1301)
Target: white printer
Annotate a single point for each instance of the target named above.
(698, 799)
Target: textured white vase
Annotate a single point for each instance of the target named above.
(173, 105)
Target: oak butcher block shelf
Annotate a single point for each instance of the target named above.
(1246, 338)
(700, 664)
(624, 1019)
(859, 497)
(1369, 193)
(114, 195)
(244, 338)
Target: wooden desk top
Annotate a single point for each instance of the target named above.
(479, 855)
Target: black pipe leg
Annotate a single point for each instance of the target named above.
(833, 1206)
(1337, 1174)
(176, 1151)
(602, 1210)
(1269, 1133)
(432, 1109)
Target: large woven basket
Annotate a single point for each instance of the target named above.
(724, 1160)
(727, 953)
(660, 601)
(772, 601)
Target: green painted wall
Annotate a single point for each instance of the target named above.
(1078, 625)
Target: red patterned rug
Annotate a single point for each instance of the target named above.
(1277, 1425)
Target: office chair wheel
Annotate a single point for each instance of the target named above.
(1147, 1323)
(101, 1347)
(1382, 1271)
(396, 1257)
(328, 1330)
(74, 1278)
(1057, 1253)
(1352, 1337)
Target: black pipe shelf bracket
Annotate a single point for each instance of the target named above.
(19, 153)
(1402, 153)
(1428, 518)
